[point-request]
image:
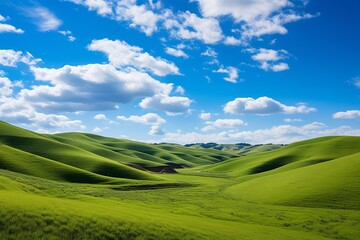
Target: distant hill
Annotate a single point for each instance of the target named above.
(85, 186)
(80, 157)
(242, 149)
(318, 172)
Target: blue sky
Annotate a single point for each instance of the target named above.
(226, 71)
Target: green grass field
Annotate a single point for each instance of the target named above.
(84, 186)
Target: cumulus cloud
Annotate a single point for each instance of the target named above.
(102, 7)
(279, 67)
(262, 106)
(206, 29)
(90, 87)
(205, 116)
(7, 28)
(138, 16)
(356, 81)
(187, 25)
(18, 111)
(222, 123)
(148, 119)
(232, 73)
(269, 59)
(289, 120)
(212, 54)
(156, 130)
(252, 18)
(97, 130)
(180, 90)
(241, 10)
(172, 105)
(232, 41)
(121, 54)
(350, 114)
(68, 34)
(257, 17)
(6, 86)
(100, 117)
(141, 17)
(10, 58)
(43, 18)
(271, 25)
(176, 52)
(278, 134)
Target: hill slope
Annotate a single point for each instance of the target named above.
(78, 157)
(242, 149)
(221, 197)
(318, 172)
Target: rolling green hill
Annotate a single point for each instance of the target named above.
(85, 186)
(242, 149)
(318, 172)
(79, 157)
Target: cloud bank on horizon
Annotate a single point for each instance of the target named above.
(223, 71)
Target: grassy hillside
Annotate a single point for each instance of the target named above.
(142, 154)
(78, 186)
(242, 149)
(79, 157)
(318, 172)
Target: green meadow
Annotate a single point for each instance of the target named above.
(84, 186)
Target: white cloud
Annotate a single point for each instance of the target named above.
(176, 52)
(172, 105)
(265, 55)
(180, 90)
(90, 87)
(100, 117)
(6, 87)
(232, 41)
(68, 34)
(10, 58)
(268, 59)
(314, 125)
(156, 130)
(97, 130)
(7, 28)
(155, 5)
(279, 67)
(18, 111)
(102, 7)
(209, 52)
(121, 54)
(138, 15)
(350, 114)
(71, 38)
(271, 25)
(232, 74)
(277, 134)
(212, 54)
(205, 116)
(241, 10)
(256, 17)
(188, 25)
(222, 123)
(262, 106)
(148, 119)
(356, 81)
(43, 18)
(289, 120)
